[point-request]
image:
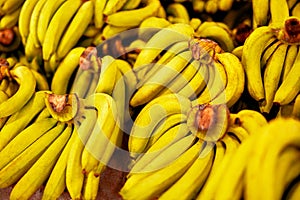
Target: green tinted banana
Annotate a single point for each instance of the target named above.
(24, 160)
(150, 116)
(289, 60)
(271, 77)
(21, 119)
(99, 6)
(61, 79)
(129, 18)
(41, 169)
(194, 178)
(157, 82)
(27, 83)
(178, 10)
(45, 16)
(76, 28)
(137, 186)
(24, 18)
(252, 51)
(57, 25)
(289, 87)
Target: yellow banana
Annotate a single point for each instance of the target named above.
(129, 18)
(261, 11)
(10, 20)
(41, 169)
(45, 16)
(289, 87)
(271, 77)
(239, 132)
(150, 26)
(238, 51)
(296, 107)
(198, 5)
(90, 187)
(225, 5)
(24, 160)
(99, 6)
(178, 10)
(252, 52)
(61, 79)
(194, 178)
(24, 18)
(279, 11)
(76, 28)
(296, 10)
(57, 25)
(10, 6)
(112, 6)
(270, 48)
(289, 60)
(131, 4)
(110, 30)
(137, 186)
(21, 119)
(41, 81)
(150, 116)
(156, 83)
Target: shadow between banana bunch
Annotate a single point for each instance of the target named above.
(161, 87)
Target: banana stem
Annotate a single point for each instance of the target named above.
(290, 33)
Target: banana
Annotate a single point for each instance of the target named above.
(3, 97)
(76, 28)
(21, 119)
(47, 12)
(156, 83)
(183, 78)
(198, 6)
(296, 10)
(296, 107)
(211, 6)
(10, 20)
(270, 48)
(289, 60)
(271, 77)
(41, 81)
(252, 50)
(31, 51)
(196, 84)
(178, 10)
(235, 76)
(137, 186)
(91, 186)
(107, 118)
(261, 11)
(42, 115)
(150, 26)
(62, 77)
(225, 149)
(24, 160)
(195, 23)
(174, 33)
(213, 31)
(113, 6)
(289, 87)
(57, 25)
(131, 4)
(56, 182)
(27, 83)
(107, 79)
(99, 6)
(41, 169)
(24, 139)
(150, 115)
(24, 18)
(129, 18)
(74, 176)
(279, 11)
(239, 132)
(88, 74)
(225, 5)
(161, 153)
(194, 178)
(10, 6)
(238, 51)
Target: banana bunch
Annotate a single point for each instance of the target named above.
(270, 58)
(9, 13)
(182, 163)
(212, 6)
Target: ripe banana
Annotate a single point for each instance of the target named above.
(10, 6)
(270, 48)
(150, 116)
(41, 81)
(113, 6)
(252, 51)
(279, 11)
(27, 84)
(261, 9)
(289, 60)
(10, 20)
(129, 18)
(178, 10)
(98, 13)
(91, 186)
(225, 5)
(296, 107)
(131, 4)
(24, 160)
(76, 28)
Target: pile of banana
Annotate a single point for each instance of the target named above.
(201, 98)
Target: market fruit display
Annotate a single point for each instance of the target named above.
(180, 99)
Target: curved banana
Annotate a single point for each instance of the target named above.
(239, 132)
(289, 60)
(289, 87)
(271, 79)
(110, 31)
(61, 80)
(129, 18)
(41, 169)
(10, 20)
(27, 84)
(296, 107)
(261, 9)
(150, 116)
(57, 25)
(145, 31)
(270, 48)
(252, 51)
(225, 5)
(10, 6)
(279, 11)
(178, 10)
(91, 186)
(47, 12)
(194, 178)
(41, 81)
(24, 160)
(137, 186)
(131, 4)
(76, 28)
(99, 6)
(156, 83)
